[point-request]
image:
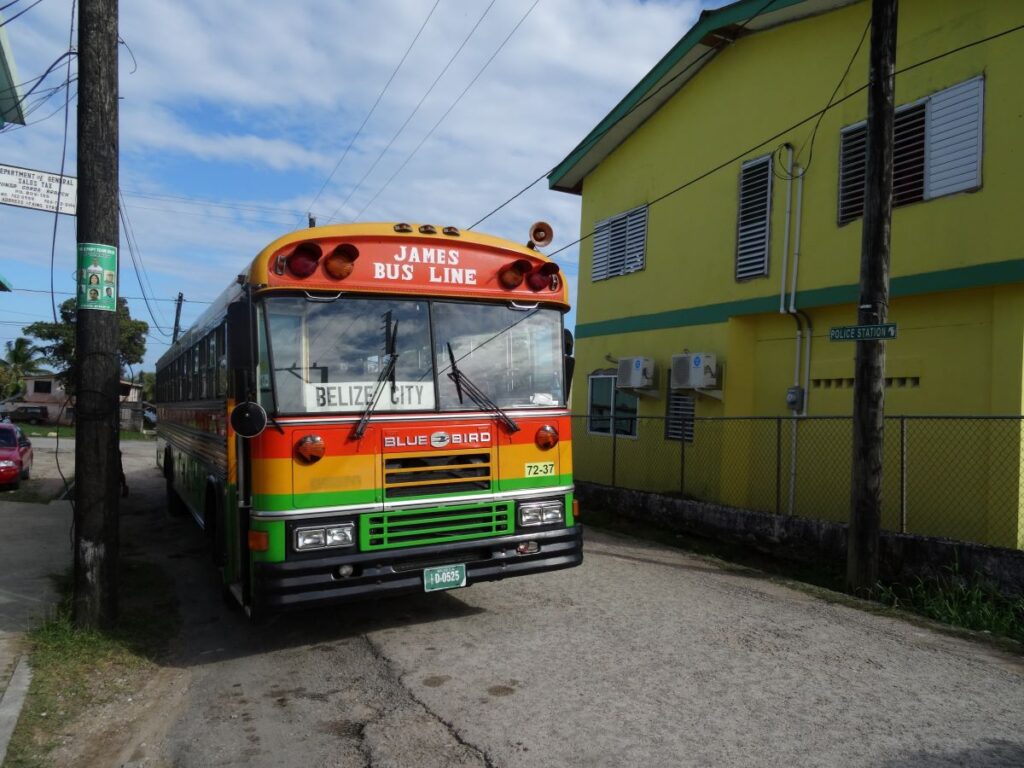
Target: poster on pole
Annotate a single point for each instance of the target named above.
(39, 190)
(97, 277)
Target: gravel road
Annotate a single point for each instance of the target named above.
(642, 656)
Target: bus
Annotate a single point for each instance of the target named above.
(374, 409)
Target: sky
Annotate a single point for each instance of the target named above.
(238, 117)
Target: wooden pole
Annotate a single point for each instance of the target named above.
(97, 461)
(869, 369)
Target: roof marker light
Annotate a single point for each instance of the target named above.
(452, 231)
(403, 227)
(428, 229)
(340, 263)
(545, 276)
(304, 259)
(511, 275)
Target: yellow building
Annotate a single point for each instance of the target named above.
(719, 218)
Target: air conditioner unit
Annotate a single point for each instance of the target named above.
(694, 370)
(636, 373)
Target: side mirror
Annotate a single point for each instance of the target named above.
(241, 337)
(570, 362)
(248, 419)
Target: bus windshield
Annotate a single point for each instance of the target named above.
(328, 357)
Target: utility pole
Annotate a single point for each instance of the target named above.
(869, 369)
(97, 461)
(177, 317)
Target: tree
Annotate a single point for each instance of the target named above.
(148, 382)
(21, 359)
(59, 340)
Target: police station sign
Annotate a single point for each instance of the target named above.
(38, 190)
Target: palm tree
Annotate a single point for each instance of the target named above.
(22, 359)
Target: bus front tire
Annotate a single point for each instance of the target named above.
(175, 506)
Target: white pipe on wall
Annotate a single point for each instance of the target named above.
(796, 236)
(785, 231)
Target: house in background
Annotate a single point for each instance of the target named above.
(726, 244)
(45, 390)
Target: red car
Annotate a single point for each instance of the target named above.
(15, 455)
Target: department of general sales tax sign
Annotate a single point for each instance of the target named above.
(97, 277)
(862, 332)
(26, 188)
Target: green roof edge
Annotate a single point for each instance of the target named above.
(709, 21)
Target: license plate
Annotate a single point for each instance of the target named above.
(444, 577)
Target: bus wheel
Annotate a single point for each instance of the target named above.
(212, 525)
(175, 506)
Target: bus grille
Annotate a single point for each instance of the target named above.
(417, 527)
(406, 476)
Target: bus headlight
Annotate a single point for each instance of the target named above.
(541, 513)
(325, 537)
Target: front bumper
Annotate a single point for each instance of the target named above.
(301, 583)
(9, 474)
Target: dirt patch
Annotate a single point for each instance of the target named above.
(128, 731)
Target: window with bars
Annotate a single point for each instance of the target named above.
(620, 244)
(936, 150)
(679, 414)
(754, 218)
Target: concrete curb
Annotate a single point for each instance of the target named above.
(11, 703)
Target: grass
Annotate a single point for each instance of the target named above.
(952, 598)
(76, 670)
(48, 430)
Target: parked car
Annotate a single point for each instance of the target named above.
(15, 455)
(33, 414)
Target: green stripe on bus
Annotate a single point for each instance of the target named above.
(282, 502)
(529, 483)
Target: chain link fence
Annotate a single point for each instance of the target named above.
(960, 478)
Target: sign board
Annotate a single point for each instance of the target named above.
(26, 188)
(354, 396)
(97, 277)
(862, 332)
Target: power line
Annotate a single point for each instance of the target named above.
(122, 213)
(19, 13)
(133, 239)
(588, 144)
(817, 124)
(448, 111)
(373, 108)
(204, 202)
(63, 151)
(807, 119)
(39, 80)
(138, 298)
(412, 114)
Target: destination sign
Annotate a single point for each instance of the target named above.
(875, 332)
(354, 396)
(26, 188)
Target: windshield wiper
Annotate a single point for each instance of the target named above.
(387, 374)
(463, 384)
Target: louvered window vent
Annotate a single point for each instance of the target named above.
(936, 150)
(754, 219)
(620, 244)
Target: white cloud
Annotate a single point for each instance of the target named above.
(240, 95)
